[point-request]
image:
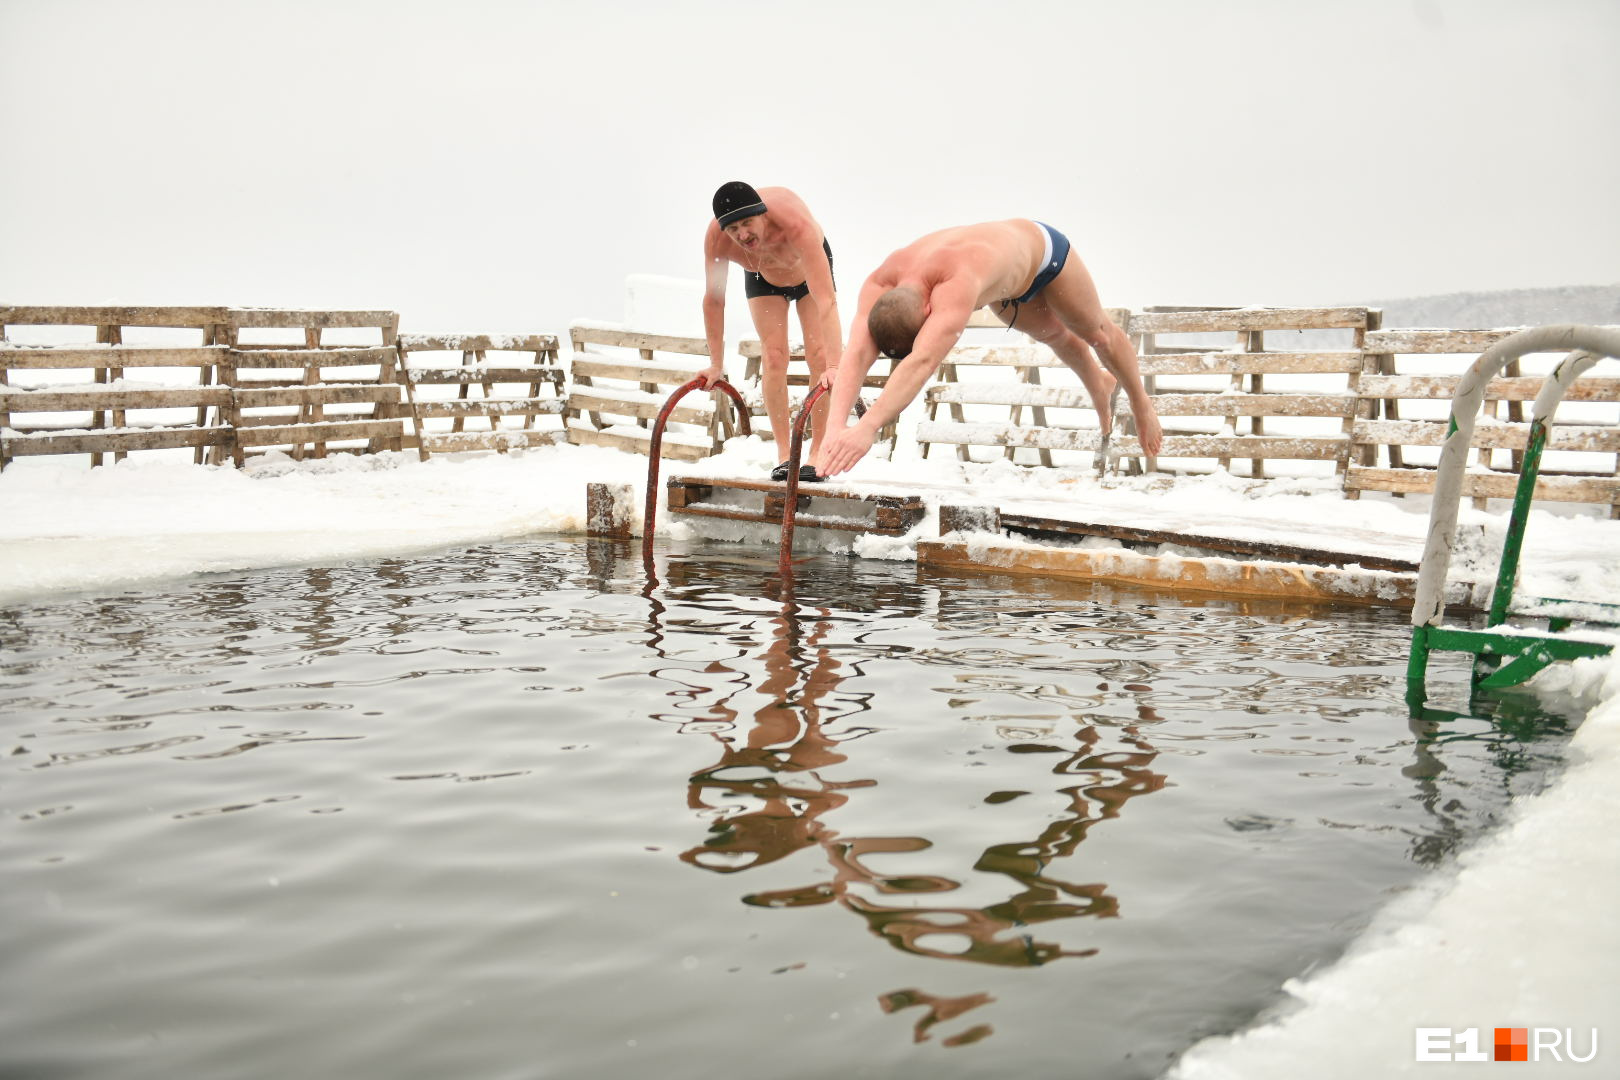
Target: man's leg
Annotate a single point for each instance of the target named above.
(770, 321)
(1072, 297)
(1037, 320)
(815, 353)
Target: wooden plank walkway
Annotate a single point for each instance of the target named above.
(1225, 558)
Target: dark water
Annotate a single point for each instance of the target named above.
(508, 813)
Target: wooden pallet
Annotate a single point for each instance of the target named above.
(895, 514)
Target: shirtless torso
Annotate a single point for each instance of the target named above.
(983, 263)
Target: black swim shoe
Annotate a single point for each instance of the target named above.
(807, 475)
(780, 473)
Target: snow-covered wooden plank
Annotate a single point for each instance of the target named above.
(1236, 319)
(672, 448)
(1495, 436)
(192, 318)
(327, 431)
(1073, 397)
(1425, 341)
(629, 403)
(256, 358)
(1015, 356)
(94, 399)
(1517, 388)
(112, 442)
(310, 319)
(1599, 489)
(1256, 363)
(604, 368)
(57, 357)
(505, 439)
(490, 407)
(478, 342)
(630, 339)
(1315, 448)
(1339, 362)
(476, 373)
(320, 394)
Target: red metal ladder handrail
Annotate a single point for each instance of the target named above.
(795, 452)
(784, 558)
(655, 447)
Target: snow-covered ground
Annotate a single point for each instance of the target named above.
(1521, 934)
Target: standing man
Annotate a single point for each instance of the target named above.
(785, 259)
(915, 306)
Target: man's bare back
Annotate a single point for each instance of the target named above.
(997, 260)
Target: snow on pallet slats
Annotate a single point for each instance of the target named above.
(1325, 447)
(536, 369)
(1221, 320)
(477, 342)
(1495, 436)
(638, 385)
(1598, 489)
(1514, 388)
(58, 357)
(1070, 397)
(120, 440)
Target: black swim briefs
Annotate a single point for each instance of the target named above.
(754, 285)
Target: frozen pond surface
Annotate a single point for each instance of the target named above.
(508, 812)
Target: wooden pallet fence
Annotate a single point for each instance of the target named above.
(1409, 410)
(77, 396)
(619, 381)
(798, 382)
(300, 391)
(1214, 404)
(1261, 397)
(522, 381)
(997, 375)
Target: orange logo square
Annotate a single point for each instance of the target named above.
(1512, 1044)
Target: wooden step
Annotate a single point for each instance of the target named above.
(895, 514)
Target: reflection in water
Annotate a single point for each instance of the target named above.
(939, 1009)
(768, 793)
(765, 797)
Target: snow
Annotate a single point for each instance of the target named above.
(1519, 933)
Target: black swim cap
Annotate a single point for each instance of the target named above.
(736, 200)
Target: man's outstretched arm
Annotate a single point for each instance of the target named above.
(951, 304)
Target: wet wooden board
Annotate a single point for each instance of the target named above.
(1282, 552)
(1219, 577)
(894, 514)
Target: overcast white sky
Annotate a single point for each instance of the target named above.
(503, 166)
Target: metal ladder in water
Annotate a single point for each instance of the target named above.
(1505, 655)
(795, 452)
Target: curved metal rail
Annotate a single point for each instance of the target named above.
(1530, 651)
(655, 447)
(784, 558)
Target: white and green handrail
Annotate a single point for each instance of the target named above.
(1525, 651)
